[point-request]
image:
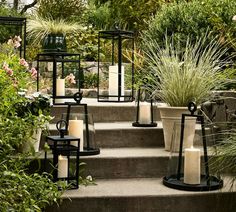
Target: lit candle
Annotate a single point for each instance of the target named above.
(60, 90)
(62, 167)
(144, 113)
(113, 82)
(192, 170)
(76, 129)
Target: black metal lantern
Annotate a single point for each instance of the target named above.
(190, 177)
(81, 125)
(14, 26)
(145, 112)
(115, 66)
(66, 168)
(59, 74)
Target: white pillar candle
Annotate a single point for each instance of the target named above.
(113, 82)
(60, 90)
(62, 167)
(76, 128)
(144, 113)
(192, 170)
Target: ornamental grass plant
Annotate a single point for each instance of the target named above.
(38, 27)
(181, 74)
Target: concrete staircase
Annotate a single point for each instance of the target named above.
(130, 168)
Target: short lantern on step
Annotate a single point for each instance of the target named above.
(59, 74)
(115, 66)
(66, 168)
(145, 112)
(191, 172)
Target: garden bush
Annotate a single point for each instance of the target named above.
(194, 19)
(20, 191)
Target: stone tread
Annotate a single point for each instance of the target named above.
(133, 187)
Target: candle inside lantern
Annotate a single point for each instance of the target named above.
(62, 167)
(144, 113)
(192, 170)
(76, 128)
(114, 82)
(60, 89)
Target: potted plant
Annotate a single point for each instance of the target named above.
(52, 33)
(182, 74)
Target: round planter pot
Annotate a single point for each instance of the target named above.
(54, 43)
(171, 121)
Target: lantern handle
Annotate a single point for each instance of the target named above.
(192, 107)
(61, 130)
(78, 97)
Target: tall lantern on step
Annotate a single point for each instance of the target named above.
(80, 124)
(59, 74)
(115, 66)
(191, 172)
(145, 112)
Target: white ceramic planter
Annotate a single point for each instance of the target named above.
(171, 121)
(34, 143)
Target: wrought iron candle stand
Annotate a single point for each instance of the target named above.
(65, 167)
(88, 148)
(145, 113)
(56, 67)
(206, 181)
(117, 42)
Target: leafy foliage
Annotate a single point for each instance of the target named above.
(126, 14)
(63, 9)
(19, 191)
(193, 18)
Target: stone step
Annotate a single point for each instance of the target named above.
(123, 134)
(104, 112)
(143, 195)
(125, 163)
(118, 163)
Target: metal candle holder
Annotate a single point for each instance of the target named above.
(207, 182)
(143, 90)
(61, 145)
(114, 39)
(88, 149)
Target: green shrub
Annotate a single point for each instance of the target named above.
(193, 19)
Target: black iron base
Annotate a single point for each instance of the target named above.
(137, 124)
(172, 182)
(90, 151)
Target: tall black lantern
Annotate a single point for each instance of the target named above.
(59, 74)
(65, 167)
(115, 66)
(145, 112)
(189, 175)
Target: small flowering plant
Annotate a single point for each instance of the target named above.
(24, 112)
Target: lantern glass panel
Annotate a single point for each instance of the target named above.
(115, 67)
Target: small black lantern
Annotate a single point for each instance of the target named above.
(190, 178)
(81, 125)
(115, 71)
(59, 74)
(145, 112)
(66, 168)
